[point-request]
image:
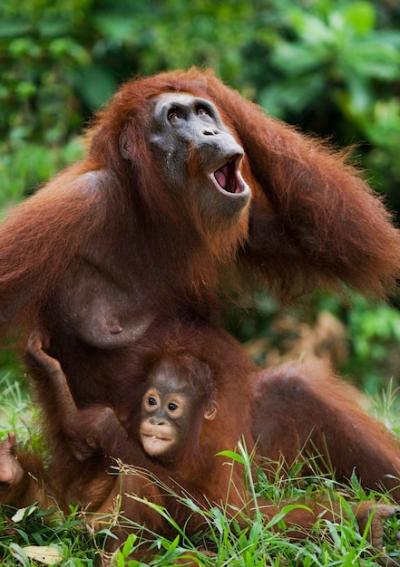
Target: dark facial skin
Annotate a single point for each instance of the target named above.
(186, 127)
(169, 408)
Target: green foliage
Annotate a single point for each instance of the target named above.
(375, 333)
(237, 540)
(337, 63)
(31, 526)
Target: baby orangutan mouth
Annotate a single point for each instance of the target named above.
(155, 439)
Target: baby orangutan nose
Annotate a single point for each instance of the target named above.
(157, 421)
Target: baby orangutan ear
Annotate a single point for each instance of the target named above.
(211, 411)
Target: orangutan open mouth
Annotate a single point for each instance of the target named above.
(228, 178)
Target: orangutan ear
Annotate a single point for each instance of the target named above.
(125, 144)
(211, 411)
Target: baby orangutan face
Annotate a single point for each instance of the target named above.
(171, 409)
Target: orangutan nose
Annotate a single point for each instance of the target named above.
(210, 132)
(157, 420)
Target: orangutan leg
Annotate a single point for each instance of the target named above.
(304, 407)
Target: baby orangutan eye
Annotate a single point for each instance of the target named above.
(151, 401)
(172, 406)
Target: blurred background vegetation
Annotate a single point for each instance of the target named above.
(330, 66)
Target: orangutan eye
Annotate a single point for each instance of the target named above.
(172, 406)
(174, 114)
(202, 111)
(151, 401)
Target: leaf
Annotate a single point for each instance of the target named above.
(310, 27)
(128, 546)
(232, 455)
(43, 554)
(18, 553)
(159, 509)
(298, 58)
(219, 519)
(22, 513)
(360, 16)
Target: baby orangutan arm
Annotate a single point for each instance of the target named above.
(87, 431)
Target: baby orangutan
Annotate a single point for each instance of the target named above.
(179, 395)
(171, 407)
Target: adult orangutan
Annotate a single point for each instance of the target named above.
(184, 183)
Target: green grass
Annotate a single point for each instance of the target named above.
(224, 542)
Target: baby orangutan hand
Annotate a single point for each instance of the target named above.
(11, 472)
